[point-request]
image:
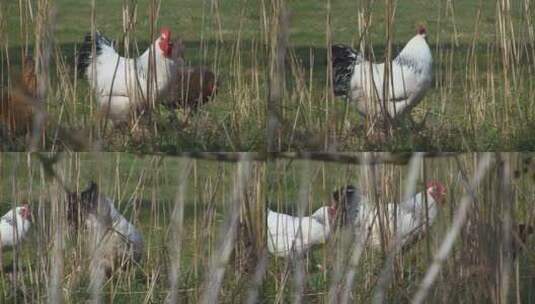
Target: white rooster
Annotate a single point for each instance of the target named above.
(289, 235)
(117, 239)
(120, 84)
(410, 215)
(362, 81)
(14, 226)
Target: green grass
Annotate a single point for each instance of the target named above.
(469, 104)
(144, 189)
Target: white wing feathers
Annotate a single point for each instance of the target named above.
(289, 234)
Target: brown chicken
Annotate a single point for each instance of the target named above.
(17, 105)
(195, 86)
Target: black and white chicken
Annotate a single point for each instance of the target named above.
(118, 239)
(363, 82)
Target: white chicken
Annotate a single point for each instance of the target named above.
(14, 226)
(120, 84)
(362, 81)
(117, 238)
(289, 235)
(410, 216)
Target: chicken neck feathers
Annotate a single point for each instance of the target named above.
(344, 60)
(85, 54)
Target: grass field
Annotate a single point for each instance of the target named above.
(481, 98)
(146, 189)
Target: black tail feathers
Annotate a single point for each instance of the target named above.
(85, 54)
(344, 59)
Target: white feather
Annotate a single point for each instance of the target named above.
(13, 228)
(289, 234)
